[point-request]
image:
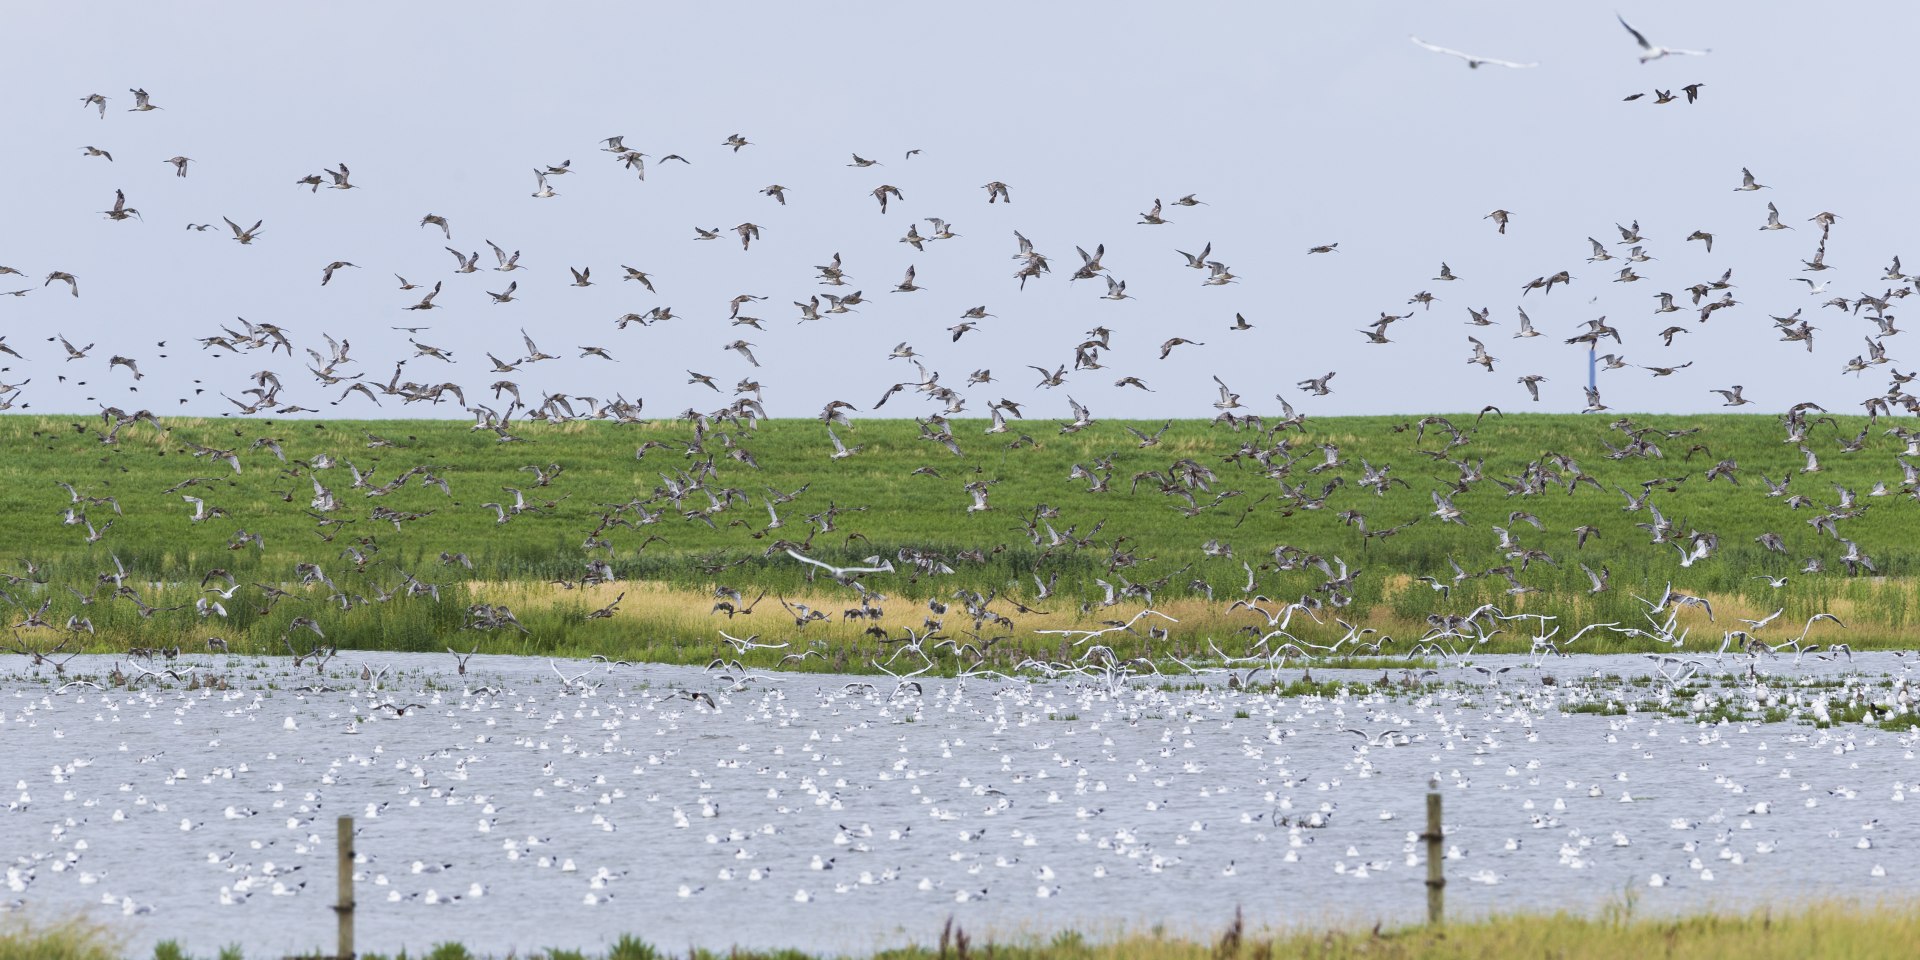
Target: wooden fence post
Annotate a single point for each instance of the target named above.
(343, 908)
(1436, 858)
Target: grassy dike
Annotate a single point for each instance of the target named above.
(669, 559)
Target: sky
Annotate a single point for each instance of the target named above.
(1298, 125)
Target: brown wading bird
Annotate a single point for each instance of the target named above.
(121, 211)
(244, 236)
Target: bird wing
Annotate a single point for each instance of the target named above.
(1437, 49)
(1638, 38)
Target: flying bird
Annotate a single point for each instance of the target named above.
(326, 272)
(1650, 52)
(244, 236)
(1167, 348)
(1473, 62)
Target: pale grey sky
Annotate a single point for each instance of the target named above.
(1298, 124)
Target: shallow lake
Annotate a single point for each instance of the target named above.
(514, 809)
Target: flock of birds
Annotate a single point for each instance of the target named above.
(959, 628)
(640, 787)
(950, 775)
(1273, 469)
(346, 378)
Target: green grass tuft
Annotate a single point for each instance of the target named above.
(64, 940)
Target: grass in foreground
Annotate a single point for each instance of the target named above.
(1842, 931)
(72, 939)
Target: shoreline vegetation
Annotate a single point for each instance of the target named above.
(1834, 929)
(645, 541)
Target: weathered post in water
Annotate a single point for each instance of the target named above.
(1436, 858)
(343, 907)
